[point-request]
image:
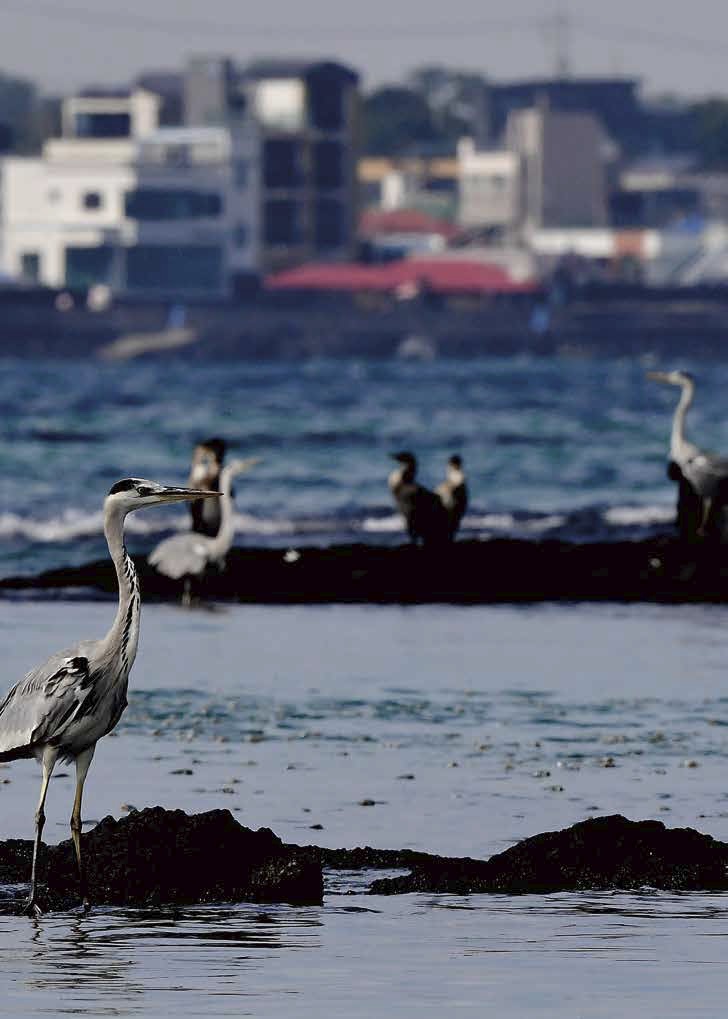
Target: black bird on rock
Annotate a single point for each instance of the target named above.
(424, 514)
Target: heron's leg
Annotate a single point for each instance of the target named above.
(48, 763)
(83, 762)
(187, 593)
(705, 517)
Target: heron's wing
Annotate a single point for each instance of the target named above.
(40, 706)
(182, 555)
(705, 472)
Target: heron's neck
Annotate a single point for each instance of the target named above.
(677, 437)
(123, 637)
(220, 544)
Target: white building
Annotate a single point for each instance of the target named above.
(489, 186)
(149, 211)
(550, 173)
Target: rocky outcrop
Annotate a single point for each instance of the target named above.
(601, 853)
(160, 856)
(659, 569)
(167, 856)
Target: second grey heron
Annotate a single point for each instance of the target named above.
(706, 473)
(425, 516)
(453, 493)
(64, 707)
(188, 555)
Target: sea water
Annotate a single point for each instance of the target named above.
(554, 447)
(469, 728)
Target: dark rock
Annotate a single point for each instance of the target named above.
(601, 853)
(167, 856)
(660, 569)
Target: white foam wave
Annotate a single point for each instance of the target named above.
(629, 516)
(507, 523)
(383, 525)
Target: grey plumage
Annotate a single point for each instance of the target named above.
(705, 473)
(190, 554)
(62, 708)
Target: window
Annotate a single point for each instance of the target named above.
(156, 204)
(170, 268)
(103, 125)
(92, 200)
(326, 102)
(282, 163)
(87, 266)
(240, 235)
(328, 163)
(330, 230)
(30, 266)
(282, 222)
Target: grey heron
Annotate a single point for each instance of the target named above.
(207, 461)
(188, 555)
(424, 514)
(453, 493)
(704, 472)
(64, 707)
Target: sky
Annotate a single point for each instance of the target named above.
(675, 48)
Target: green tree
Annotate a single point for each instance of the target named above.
(711, 131)
(396, 120)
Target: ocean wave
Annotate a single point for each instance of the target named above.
(630, 516)
(75, 524)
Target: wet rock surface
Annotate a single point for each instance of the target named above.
(158, 856)
(600, 853)
(659, 569)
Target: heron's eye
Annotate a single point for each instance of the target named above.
(144, 490)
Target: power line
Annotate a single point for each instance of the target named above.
(559, 27)
(129, 21)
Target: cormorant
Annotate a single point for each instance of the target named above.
(453, 493)
(425, 516)
(207, 462)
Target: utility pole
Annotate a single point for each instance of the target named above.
(557, 35)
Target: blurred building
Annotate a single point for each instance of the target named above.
(19, 115)
(613, 102)
(428, 184)
(117, 200)
(549, 172)
(490, 189)
(305, 116)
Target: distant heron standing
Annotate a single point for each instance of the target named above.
(424, 514)
(63, 708)
(453, 493)
(186, 556)
(705, 473)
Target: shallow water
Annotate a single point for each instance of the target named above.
(470, 728)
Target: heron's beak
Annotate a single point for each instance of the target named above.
(183, 494)
(658, 377)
